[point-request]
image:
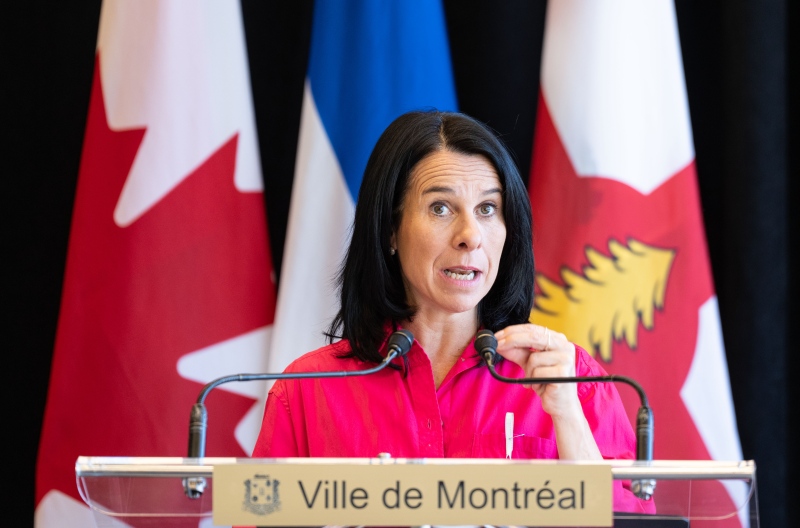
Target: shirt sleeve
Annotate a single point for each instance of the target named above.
(277, 436)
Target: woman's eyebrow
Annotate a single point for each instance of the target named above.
(438, 189)
(449, 190)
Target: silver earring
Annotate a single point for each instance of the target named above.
(392, 251)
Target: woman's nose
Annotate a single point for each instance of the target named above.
(467, 234)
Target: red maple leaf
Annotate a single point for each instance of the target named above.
(192, 271)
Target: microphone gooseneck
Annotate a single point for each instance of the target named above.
(398, 344)
(486, 345)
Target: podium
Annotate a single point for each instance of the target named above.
(143, 491)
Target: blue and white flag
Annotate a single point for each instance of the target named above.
(369, 63)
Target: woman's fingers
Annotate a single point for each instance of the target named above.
(539, 351)
(526, 335)
(532, 346)
(543, 353)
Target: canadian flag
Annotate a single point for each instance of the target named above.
(619, 243)
(168, 280)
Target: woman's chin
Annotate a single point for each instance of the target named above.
(459, 306)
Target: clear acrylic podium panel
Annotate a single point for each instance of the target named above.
(142, 491)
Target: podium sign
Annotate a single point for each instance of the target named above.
(413, 495)
(145, 491)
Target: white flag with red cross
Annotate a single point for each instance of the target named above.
(619, 243)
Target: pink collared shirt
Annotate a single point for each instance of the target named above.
(407, 417)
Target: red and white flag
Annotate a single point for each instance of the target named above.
(619, 241)
(168, 281)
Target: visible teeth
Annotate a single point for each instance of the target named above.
(460, 276)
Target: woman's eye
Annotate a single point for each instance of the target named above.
(487, 209)
(439, 209)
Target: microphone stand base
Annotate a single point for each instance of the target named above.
(194, 486)
(643, 488)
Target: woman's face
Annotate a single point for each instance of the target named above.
(451, 232)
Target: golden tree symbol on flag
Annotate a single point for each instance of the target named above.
(606, 302)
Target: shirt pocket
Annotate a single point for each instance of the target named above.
(525, 447)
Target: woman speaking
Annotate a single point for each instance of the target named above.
(442, 247)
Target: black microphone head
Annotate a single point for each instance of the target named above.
(486, 343)
(401, 342)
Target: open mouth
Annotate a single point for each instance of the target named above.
(460, 275)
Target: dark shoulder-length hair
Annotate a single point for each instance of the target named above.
(372, 293)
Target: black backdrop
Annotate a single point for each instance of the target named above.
(743, 102)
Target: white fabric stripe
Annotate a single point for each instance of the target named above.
(320, 217)
(59, 510)
(178, 69)
(612, 76)
(706, 393)
(244, 353)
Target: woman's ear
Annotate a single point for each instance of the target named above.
(392, 245)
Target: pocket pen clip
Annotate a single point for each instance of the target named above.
(509, 434)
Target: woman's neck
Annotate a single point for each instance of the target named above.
(443, 338)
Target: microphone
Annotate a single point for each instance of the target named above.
(398, 344)
(486, 345)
